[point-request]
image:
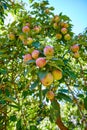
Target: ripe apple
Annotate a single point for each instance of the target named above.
(25, 29)
(55, 26)
(37, 29)
(11, 36)
(66, 25)
(67, 37)
(29, 40)
(47, 80)
(75, 48)
(76, 55)
(41, 62)
(58, 36)
(35, 54)
(57, 74)
(56, 18)
(27, 57)
(48, 51)
(50, 95)
(63, 30)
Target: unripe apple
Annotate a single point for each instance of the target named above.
(63, 30)
(48, 51)
(27, 57)
(11, 36)
(57, 74)
(56, 18)
(41, 62)
(76, 55)
(35, 54)
(37, 29)
(58, 36)
(47, 80)
(29, 40)
(55, 26)
(75, 48)
(67, 37)
(21, 37)
(25, 29)
(50, 95)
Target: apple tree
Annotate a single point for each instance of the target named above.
(43, 71)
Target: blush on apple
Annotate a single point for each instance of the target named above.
(41, 62)
(35, 54)
(48, 51)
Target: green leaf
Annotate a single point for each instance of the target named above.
(85, 103)
(13, 118)
(3, 71)
(18, 125)
(34, 85)
(42, 74)
(36, 44)
(33, 127)
(64, 96)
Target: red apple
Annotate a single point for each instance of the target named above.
(75, 48)
(47, 80)
(25, 29)
(41, 62)
(48, 51)
(63, 30)
(35, 54)
(27, 57)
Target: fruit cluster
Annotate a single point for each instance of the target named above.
(41, 62)
(61, 28)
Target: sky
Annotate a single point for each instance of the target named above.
(75, 9)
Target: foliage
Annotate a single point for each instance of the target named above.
(22, 93)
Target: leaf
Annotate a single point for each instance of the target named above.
(3, 71)
(36, 44)
(18, 125)
(13, 118)
(63, 90)
(64, 96)
(85, 103)
(42, 74)
(34, 85)
(33, 127)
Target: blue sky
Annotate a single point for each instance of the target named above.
(75, 9)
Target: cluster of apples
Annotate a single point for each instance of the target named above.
(75, 50)
(62, 28)
(41, 62)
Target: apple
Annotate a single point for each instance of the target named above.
(11, 36)
(21, 37)
(41, 62)
(47, 11)
(48, 51)
(57, 74)
(50, 95)
(66, 25)
(67, 37)
(56, 18)
(55, 26)
(63, 30)
(35, 54)
(27, 57)
(75, 48)
(59, 36)
(47, 80)
(76, 55)
(29, 40)
(25, 29)
(37, 29)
